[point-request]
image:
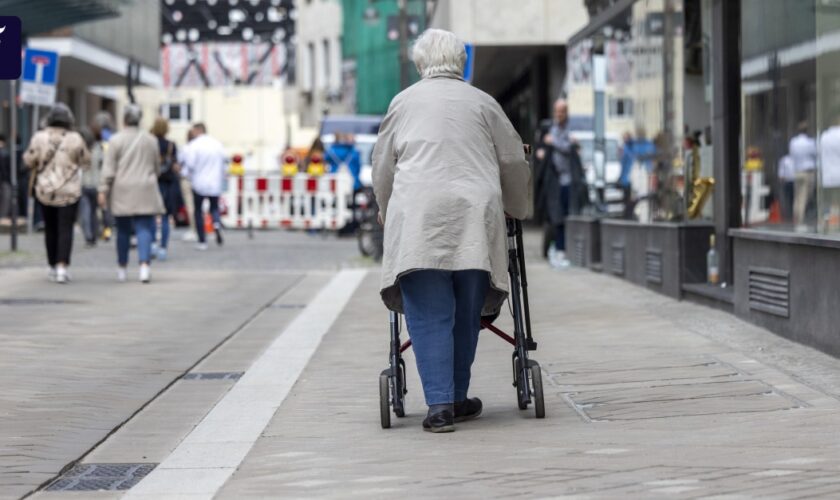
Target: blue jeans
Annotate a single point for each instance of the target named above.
(443, 313)
(144, 227)
(560, 232)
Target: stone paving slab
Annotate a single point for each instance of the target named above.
(767, 435)
(75, 369)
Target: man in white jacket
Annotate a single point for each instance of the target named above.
(205, 163)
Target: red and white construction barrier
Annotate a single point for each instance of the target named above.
(301, 202)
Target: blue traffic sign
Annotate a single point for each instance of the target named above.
(468, 66)
(9, 47)
(40, 66)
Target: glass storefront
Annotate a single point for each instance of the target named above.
(790, 84)
(656, 105)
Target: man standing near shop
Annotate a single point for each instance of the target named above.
(206, 164)
(803, 152)
(557, 149)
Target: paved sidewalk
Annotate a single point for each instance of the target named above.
(646, 397)
(638, 405)
(79, 360)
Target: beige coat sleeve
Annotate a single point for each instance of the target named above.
(513, 165)
(109, 167)
(384, 159)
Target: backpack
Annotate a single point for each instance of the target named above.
(167, 163)
(57, 186)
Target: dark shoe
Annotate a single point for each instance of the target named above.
(442, 421)
(220, 240)
(467, 409)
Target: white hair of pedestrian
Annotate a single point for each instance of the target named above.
(439, 52)
(132, 115)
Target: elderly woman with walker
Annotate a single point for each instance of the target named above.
(447, 168)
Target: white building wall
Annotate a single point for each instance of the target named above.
(319, 21)
(512, 22)
(250, 121)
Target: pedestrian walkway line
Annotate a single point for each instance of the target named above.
(208, 456)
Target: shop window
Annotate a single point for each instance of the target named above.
(657, 104)
(791, 115)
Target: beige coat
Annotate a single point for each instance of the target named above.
(130, 173)
(447, 166)
(57, 156)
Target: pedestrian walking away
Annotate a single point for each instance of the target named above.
(57, 156)
(802, 149)
(206, 166)
(129, 186)
(447, 165)
(88, 206)
(186, 188)
(102, 128)
(168, 182)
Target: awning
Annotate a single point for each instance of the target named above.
(84, 64)
(41, 16)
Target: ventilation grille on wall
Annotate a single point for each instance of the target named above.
(578, 254)
(769, 291)
(653, 266)
(617, 259)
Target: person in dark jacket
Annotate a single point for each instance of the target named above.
(562, 186)
(168, 182)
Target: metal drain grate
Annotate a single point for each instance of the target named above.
(617, 259)
(579, 254)
(213, 375)
(35, 302)
(93, 477)
(653, 266)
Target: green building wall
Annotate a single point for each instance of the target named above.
(377, 58)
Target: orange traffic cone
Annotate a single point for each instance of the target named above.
(775, 213)
(208, 223)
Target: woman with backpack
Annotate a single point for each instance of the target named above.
(168, 181)
(57, 155)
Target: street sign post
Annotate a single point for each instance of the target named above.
(38, 88)
(13, 162)
(40, 76)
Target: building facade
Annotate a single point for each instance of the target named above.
(95, 56)
(740, 95)
(371, 51)
(319, 60)
(519, 51)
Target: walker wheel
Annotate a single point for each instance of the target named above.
(384, 401)
(536, 381)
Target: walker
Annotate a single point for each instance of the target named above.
(527, 376)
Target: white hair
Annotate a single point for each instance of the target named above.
(438, 52)
(132, 115)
